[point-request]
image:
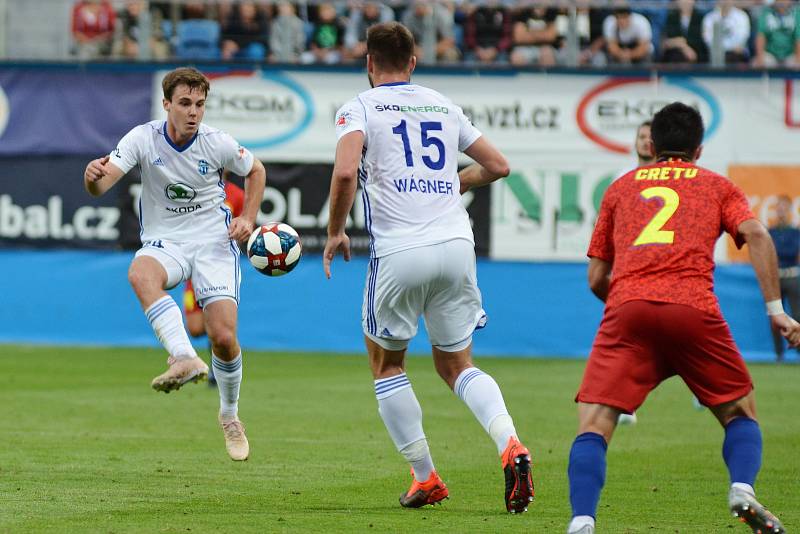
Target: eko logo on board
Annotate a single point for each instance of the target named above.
(610, 112)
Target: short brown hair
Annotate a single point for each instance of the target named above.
(189, 76)
(390, 45)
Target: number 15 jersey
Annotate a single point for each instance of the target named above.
(658, 226)
(409, 165)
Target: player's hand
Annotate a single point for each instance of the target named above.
(240, 229)
(96, 169)
(788, 327)
(335, 244)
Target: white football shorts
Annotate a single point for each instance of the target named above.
(213, 267)
(435, 281)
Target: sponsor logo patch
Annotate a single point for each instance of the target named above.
(180, 192)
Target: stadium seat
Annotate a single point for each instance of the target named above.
(252, 52)
(308, 28)
(198, 39)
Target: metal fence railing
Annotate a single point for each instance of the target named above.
(569, 33)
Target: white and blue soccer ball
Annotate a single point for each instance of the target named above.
(274, 249)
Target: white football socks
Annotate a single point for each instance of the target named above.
(229, 378)
(419, 456)
(482, 395)
(744, 487)
(167, 321)
(580, 521)
(402, 415)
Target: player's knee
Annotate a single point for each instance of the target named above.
(144, 276)
(450, 371)
(385, 369)
(597, 419)
(604, 430)
(727, 412)
(137, 278)
(224, 338)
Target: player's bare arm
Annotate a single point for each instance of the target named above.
(490, 165)
(343, 190)
(100, 176)
(765, 264)
(599, 274)
(254, 183)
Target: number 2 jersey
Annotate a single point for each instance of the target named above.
(183, 192)
(409, 165)
(658, 226)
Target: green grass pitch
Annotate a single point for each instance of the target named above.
(87, 446)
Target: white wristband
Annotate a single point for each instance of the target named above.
(775, 307)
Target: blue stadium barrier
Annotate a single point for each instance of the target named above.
(535, 309)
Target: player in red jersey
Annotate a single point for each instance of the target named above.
(651, 261)
(234, 199)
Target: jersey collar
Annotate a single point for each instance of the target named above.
(171, 143)
(392, 84)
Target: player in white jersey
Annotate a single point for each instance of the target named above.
(187, 233)
(401, 142)
(643, 145)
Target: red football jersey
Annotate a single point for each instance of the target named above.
(658, 226)
(234, 198)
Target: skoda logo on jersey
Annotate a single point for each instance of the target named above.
(202, 167)
(180, 192)
(261, 110)
(609, 113)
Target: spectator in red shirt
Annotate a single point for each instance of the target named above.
(93, 28)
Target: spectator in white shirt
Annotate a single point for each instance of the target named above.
(629, 37)
(734, 25)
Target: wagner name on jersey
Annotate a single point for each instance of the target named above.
(182, 188)
(409, 166)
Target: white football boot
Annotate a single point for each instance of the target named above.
(235, 439)
(744, 505)
(180, 372)
(626, 419)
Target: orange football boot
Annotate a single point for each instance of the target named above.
(517, 469)
(419, 494)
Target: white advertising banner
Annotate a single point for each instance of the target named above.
(565, 135)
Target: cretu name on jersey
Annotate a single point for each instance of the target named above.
(666, 173)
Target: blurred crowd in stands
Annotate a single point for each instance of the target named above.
(764, 34)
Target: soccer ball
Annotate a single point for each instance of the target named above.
(274, 249)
